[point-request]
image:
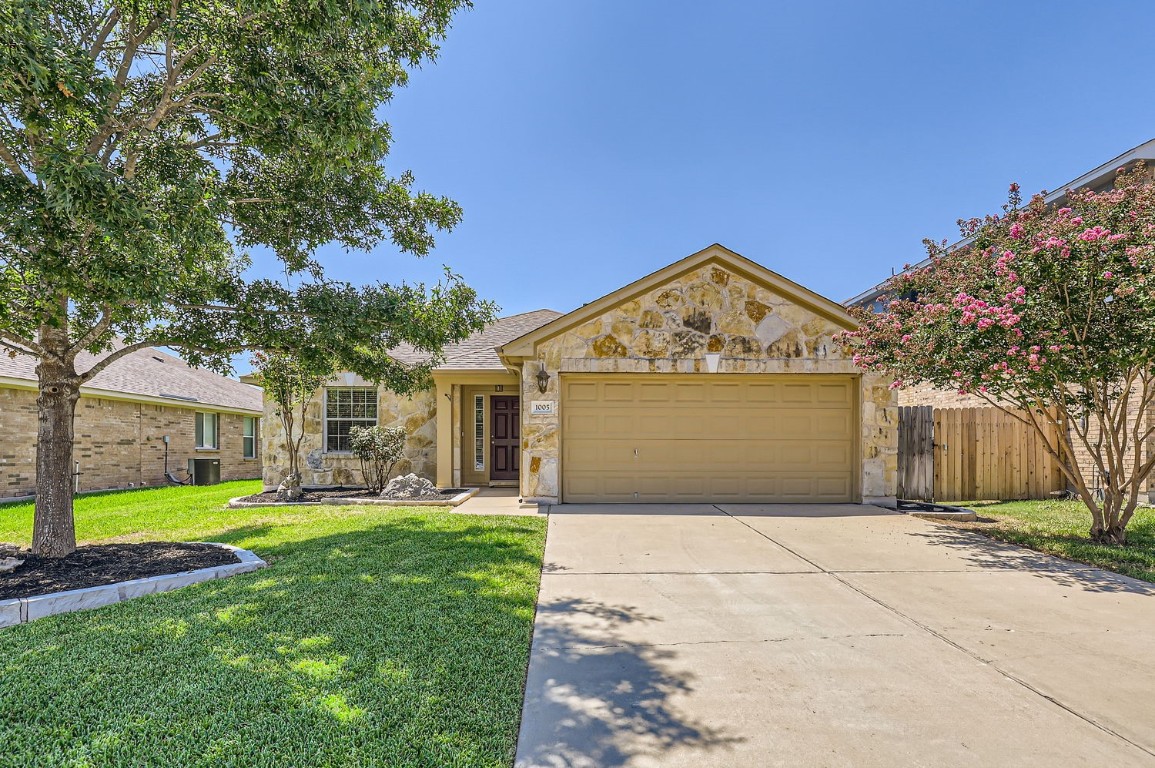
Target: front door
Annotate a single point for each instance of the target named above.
(504, 437)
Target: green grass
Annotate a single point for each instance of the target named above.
(379, 636)
(1061, 528)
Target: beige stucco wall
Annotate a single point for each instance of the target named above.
(416, 414)
(670, 328)
(117, 442)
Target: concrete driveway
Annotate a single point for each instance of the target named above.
(827, 636)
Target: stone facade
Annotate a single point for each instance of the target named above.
(416, 414)
(670, 328)
(118, 443)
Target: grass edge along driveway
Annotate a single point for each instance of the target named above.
(1060, 528)
(379, 636)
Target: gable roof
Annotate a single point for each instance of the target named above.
(150, 375)
(715, 254)
(478, 351)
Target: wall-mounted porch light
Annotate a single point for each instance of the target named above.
(542, 379)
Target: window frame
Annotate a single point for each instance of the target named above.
(249, 441)
(480, 446)
(360, 421)
(199, 431)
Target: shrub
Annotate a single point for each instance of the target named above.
(379, 449)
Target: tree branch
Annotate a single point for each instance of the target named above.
(97, 46)
(27, 344)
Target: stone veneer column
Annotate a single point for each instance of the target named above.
(444, 434)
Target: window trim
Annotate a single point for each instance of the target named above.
(479, 418)
(247, 439)
(325, 419)
(198, 426)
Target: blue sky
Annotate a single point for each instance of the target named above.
(591, 143)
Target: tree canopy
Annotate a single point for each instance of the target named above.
(147, 146)
(1048, 312)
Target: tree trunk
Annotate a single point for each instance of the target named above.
(53, 528)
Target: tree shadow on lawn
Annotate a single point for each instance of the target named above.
(986, 552)
(401, 644)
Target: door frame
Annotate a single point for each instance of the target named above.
(470, 476)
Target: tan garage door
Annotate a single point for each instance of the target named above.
(701, 438)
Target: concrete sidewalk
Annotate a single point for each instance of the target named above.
(497, 501)
(827, 636)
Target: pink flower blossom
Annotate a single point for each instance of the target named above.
(1016, 230)
(1094, 233)
(1108, 275)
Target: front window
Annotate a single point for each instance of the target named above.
(250, 438)
(345, 408)
(207, 430)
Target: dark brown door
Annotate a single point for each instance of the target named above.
(504, 437)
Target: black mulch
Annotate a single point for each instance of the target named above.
(99, 564)
(323, 494)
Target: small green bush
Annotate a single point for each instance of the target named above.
(379, 449)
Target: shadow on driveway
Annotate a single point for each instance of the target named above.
(589, 704)
(991, 554)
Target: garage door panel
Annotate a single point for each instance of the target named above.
(676, 438)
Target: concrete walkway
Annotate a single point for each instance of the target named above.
(497, 501)
(827, 636)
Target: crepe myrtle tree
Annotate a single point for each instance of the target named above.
(289, 383)
(1047, 313)
(145, 146)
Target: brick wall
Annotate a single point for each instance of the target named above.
(118, 443)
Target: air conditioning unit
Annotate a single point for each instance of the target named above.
(204, 471)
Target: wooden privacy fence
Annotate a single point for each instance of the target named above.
(954, 454)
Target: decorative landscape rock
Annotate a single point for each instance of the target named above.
(410, 487)
(9, 564)
(290, 488)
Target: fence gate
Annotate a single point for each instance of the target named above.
(916, 452)
(958, 454)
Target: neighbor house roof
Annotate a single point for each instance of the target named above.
(1098, 178)
(477, 352)
(148, 375)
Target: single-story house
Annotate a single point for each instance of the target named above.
(711, 380)
(145, 411)
(1099, 178)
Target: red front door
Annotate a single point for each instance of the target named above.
(504, 437)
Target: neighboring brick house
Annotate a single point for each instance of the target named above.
(122, 417)
(1100, 178)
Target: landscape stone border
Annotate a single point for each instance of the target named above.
(19, 610)
(453, 501)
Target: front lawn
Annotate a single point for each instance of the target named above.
(1060, 528)
(379, 636)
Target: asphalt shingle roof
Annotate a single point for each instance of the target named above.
(476, 353)
(153, 373)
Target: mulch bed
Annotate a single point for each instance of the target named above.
(100, 564)
(269, 497)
